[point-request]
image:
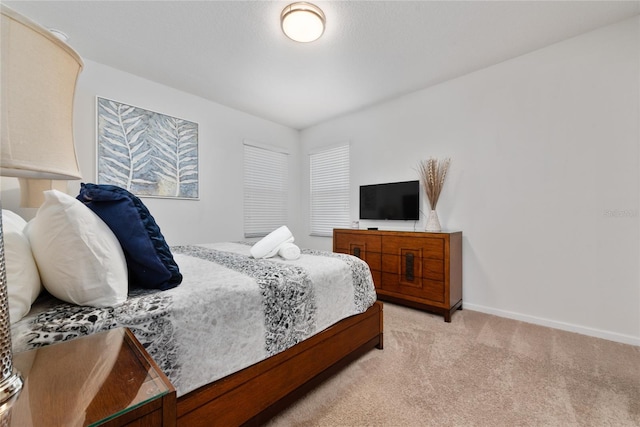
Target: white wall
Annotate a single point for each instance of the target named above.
(544, 180)
(217, 216)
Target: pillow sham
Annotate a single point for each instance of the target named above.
(149, 259)
(79, 258)
(23, 279)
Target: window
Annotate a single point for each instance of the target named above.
(329, 176)
(265, 189)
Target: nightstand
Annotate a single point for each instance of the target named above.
(105, 379)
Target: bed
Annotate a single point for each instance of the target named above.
(238, 335)
(240, 338)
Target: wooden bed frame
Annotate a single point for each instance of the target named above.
(253, 395)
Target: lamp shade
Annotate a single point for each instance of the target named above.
(39, 74)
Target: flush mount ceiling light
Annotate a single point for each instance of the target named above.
(302, 22)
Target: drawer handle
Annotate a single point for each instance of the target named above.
(408, 263)
(356, 252)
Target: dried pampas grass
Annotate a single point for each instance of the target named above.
(432, 174)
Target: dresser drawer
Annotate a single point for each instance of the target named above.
(364, 246)
(426, 289)
(426, 247)
(410, 263)
(348, 241)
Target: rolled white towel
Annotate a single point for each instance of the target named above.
(268, 246)
(289, 251)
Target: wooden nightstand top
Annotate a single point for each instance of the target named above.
(102, 379)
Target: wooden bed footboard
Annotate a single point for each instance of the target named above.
(254, 394)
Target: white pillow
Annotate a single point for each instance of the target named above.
(79, 258)
(23, 280)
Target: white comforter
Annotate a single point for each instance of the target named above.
(230, 311)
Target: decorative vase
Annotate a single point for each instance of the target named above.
(433, 224)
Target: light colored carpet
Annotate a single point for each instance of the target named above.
(479, 370)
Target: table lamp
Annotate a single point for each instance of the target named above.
(38, 79)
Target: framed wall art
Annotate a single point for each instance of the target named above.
(150, 154)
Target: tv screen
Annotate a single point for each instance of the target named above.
(394, 200)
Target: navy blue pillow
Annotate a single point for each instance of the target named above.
(149, 259)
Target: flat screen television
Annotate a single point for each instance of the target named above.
(393, 201)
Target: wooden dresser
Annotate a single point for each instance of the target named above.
(105, 379)
(417, 269)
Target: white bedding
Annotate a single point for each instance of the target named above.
(230, 311)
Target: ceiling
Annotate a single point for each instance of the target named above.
(234, 53)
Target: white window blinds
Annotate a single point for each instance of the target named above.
(329, 178)
(265, 189)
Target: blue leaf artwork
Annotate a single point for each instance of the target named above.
(148, 153)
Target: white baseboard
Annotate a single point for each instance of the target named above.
(611, 336)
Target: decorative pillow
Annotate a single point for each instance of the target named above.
(79, 258)
(149, 259)
(269, 245)
(23, 280)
